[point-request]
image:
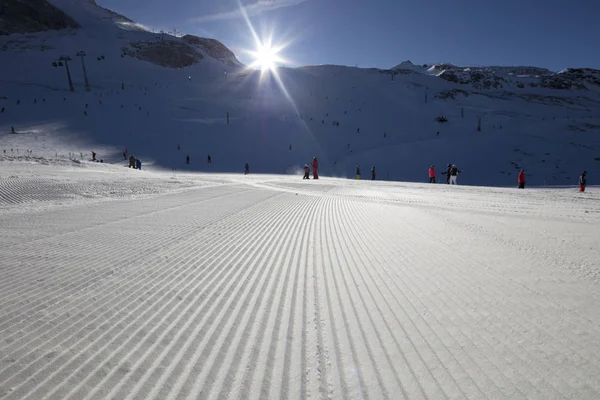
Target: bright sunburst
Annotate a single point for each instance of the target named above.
(265, 57)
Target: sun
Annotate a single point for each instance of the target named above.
(265, 57)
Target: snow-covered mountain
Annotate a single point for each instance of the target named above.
(164, 98)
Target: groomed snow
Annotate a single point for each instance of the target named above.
(123, 284)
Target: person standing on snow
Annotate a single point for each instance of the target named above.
(306, 172)
(138, 164)
(315, 167)
(132, 162)
(432, 174)
(358, 172)
(187, 159)
(454, 171)
(209, 160)
(373, 173)
(583, 181)
(521, 179)
(246, 169)
(448, 173)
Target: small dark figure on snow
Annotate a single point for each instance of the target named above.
(187, 159)
(138, 164)
(432, 174)
(132, 161)
(583, 181)
(209, 160)
(290, 147)
(373, 173)
(12, 129)
(178, 147)
(306, 172)
(246, 169)
(93, 156)
(315, 167)
(521, 179)
(447, 173)
(3, 109)
(358, 172)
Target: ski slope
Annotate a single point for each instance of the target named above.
(126, 284)
(279, 121)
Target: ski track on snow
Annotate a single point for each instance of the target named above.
(274, 288)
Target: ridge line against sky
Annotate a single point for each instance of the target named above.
(381, 34)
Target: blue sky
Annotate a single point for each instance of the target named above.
(555, 34)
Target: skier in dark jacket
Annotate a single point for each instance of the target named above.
(454, 171)
(306, 172)
(132, 161)
(373, 173)
(448, 173)
(209, 160)
(138, 163)
(358, 172)
(583, 181)
(246, 169)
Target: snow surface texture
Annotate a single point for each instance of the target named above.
(125, 284)
(530, 118)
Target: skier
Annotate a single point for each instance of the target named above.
(373, 173)
(138, 164)
(246, 169)
(454, 171)
(209, 160)
(432, 174)
(132, 161)
(187, 159)
(306, 172)
(12, 129)
(583, 181)
(521, 179)
(315, 167)
(93, 156)
(358, 172)
(447, 173)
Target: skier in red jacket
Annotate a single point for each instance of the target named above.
(521, 179)
(315, 167)
(432, 174)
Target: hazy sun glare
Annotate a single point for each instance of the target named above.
(265, 57)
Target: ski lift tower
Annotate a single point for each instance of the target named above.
(82, 54)
(59, 63)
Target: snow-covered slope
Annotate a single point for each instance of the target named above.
(123, 284)
(164, 98)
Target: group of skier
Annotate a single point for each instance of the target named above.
(451, 173)
(582, 180)
(134, 163)
(315, 169)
